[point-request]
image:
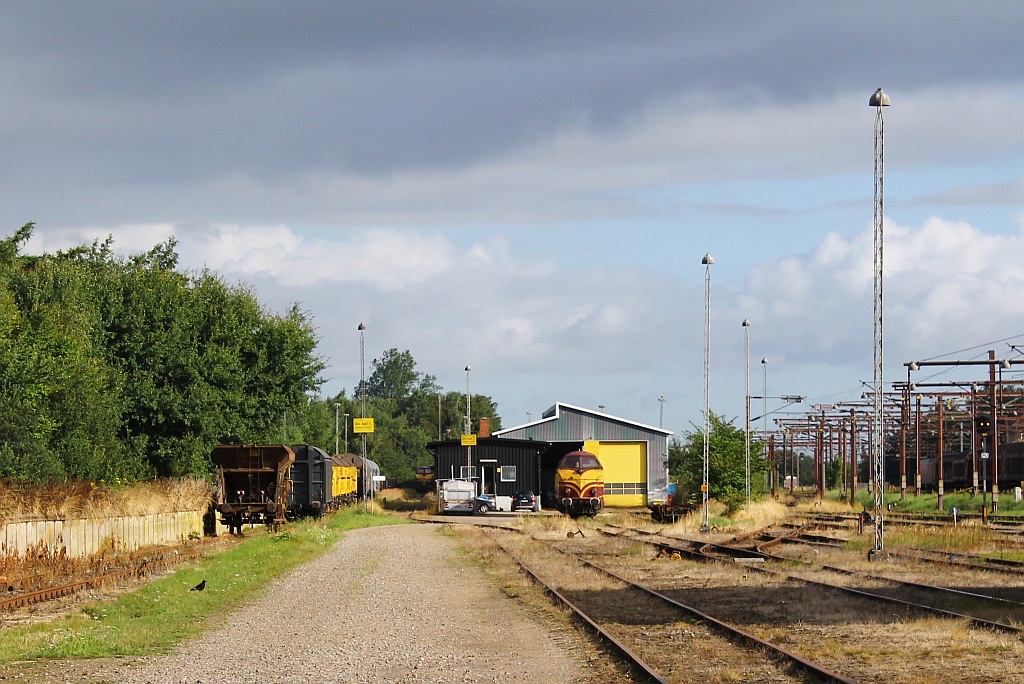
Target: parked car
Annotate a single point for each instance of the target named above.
(485, 503)
(525, 501)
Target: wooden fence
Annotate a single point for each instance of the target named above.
(82, 538)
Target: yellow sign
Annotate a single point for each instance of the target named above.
(703, 488)
(468, 440)
(362, 425)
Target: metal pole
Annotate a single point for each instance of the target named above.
(853, 457)
(764, 397)
(469, 428)
(336, 407)
(746, 392)
(904, 418)
(819, 458)
(997, 400)
(661, 424)
(439, 388)
(708, 260)
(917, 433)
(940, 449)
(367, 482)
(974, 439)
(878, 100)
(346, 433)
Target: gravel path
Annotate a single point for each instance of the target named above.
(386, 604)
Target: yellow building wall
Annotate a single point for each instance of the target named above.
(625, 472)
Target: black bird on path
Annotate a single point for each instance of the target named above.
(199, 587)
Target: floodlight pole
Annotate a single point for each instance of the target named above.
(878, 100)
(708, 260)
(746, 393)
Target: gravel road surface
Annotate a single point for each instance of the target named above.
(385, 604)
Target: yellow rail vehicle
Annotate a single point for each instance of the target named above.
(344, 481)
(579, 483)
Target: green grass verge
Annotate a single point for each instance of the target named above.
(162, 613)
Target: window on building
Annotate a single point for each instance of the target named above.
(467, 473)
(625, 487)
(508, 473)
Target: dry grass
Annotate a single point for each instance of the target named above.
(549, 526)
(395, 494)
(401, 500)
(75, 500)
(758, 514)
(762, 513)
(964, 537)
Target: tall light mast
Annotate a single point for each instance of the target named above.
(878, 100)
(708, 260)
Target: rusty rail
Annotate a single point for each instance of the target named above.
(51, 593)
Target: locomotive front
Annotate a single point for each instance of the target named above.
(579, 483)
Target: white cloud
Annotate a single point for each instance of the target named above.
(531, 325)
(128, 239)
(947, 285)
(388, 259)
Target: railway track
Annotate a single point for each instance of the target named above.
(859, 637)
(1010, 527)
(977, 607)
(667, 618)
(126, 567)
(963, 560)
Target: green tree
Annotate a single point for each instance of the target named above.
(394, 376)
(60, 415)
(404, 404)
(726, 463)
(116, 367)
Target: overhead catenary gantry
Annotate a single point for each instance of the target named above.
(992, 435)
(920, 421)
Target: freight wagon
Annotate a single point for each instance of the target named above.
(311, 478)
(253, 485)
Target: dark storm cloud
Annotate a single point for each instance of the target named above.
(380, 85)
(132, 100)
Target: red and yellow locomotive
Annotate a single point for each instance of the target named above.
(579, 484)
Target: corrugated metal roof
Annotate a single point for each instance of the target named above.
(568, 423)
(538, 428)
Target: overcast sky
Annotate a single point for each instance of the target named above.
(529, 187)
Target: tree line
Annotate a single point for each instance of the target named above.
(409, 410)
(127, 368)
